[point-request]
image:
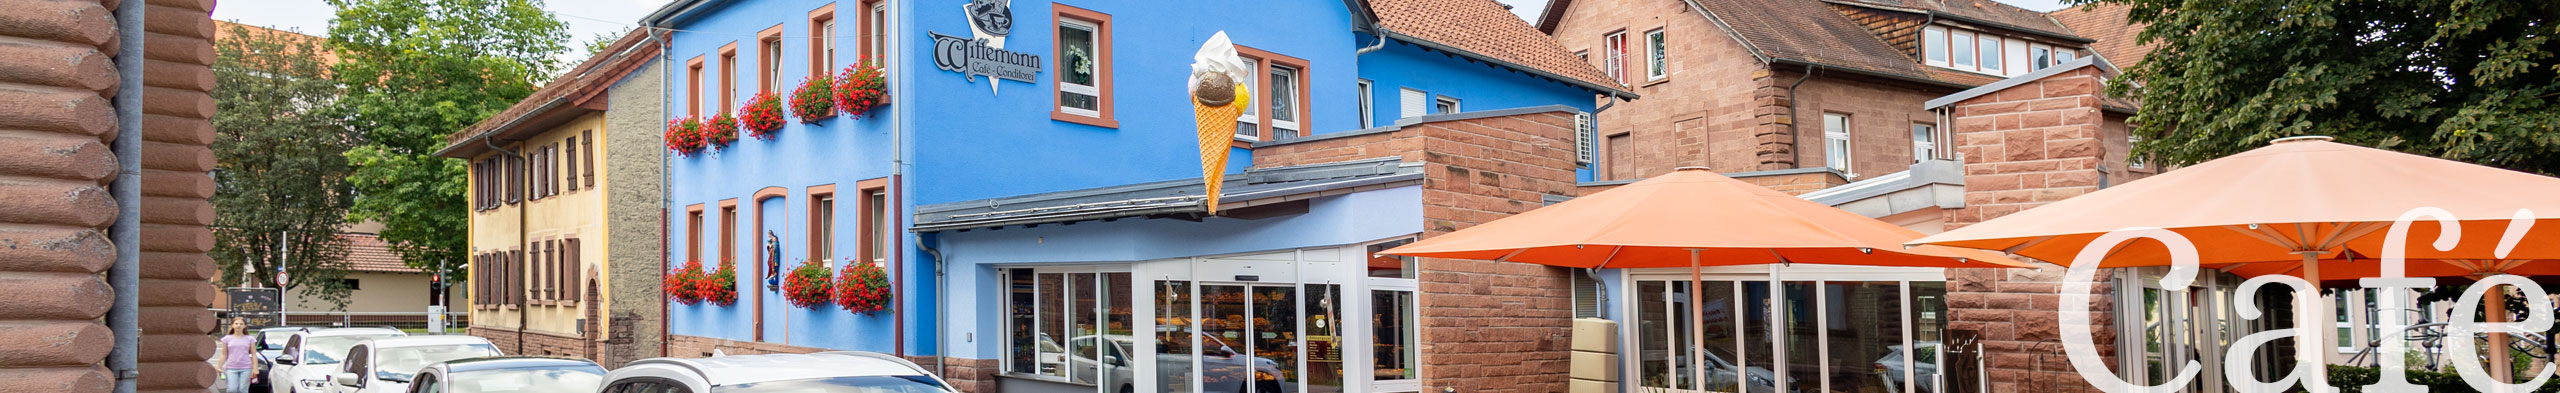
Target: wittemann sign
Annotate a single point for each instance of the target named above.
(973, 57)
(2082, 348)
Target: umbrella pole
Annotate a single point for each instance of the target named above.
(2316, 325)
(2500, 368)
(1697, 323)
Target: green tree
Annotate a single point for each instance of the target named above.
(280, 179)
(2471, 80)
(415, 73)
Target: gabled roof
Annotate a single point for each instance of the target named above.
(1483, 30)
(368, 253)
(2116, 34)
(576, 92)
(1813, 33)
(1976, 11)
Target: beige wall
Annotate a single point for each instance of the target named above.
(576, 214)
(381, 292)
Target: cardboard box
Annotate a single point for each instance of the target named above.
(1595, 366)
(1595, 335)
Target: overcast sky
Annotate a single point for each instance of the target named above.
(588, 18)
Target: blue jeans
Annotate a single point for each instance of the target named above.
(235, 381)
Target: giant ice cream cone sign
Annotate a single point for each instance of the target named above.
(1219, 95)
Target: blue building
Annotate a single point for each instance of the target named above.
(1035, 171)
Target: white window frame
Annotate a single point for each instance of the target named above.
(1368, 104)
(1960, 50)
(1615, 58)
(1297, 105)
(1657, 65)
(880, 31)
(2039, 56)
(827, 43)
(773, 66)
(1817, 275)
(2131, 159)
(1094, 31)
(1938, 44)
(1838, 149)
(1924, 141)
(1991, 57)
(1446, 105)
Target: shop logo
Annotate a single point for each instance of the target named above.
(990, 21)
(2079, 344)
(991, 17)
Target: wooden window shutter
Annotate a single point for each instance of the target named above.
(514, 178)
(577, 271)
(572, 158)
(590, 157)
(478, 266)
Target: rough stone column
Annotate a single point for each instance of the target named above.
(634, 237)
(2022, 147)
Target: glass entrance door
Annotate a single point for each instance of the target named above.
(1249, 338)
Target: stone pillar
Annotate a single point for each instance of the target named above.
(1773, 126)
(2022, 147)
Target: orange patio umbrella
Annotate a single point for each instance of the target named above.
(1692, 217)
(2292, 203)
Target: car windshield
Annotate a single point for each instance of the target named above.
(327, 349)
(399, 363)
(527, 380)
(863, 384)
(273, 339)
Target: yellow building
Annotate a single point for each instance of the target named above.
(543, 226)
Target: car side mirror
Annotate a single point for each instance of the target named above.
(285, 360)
(347, 380)
(1115, 360)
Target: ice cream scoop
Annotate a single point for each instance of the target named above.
(1218, 57)
(1213, 89)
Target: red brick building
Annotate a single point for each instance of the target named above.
(59, 169)
(1926, 114)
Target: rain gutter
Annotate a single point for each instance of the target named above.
(125, 276)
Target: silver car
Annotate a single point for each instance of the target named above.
(824, 372)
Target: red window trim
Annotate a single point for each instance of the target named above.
(862, 208)
(822, 239)
(693, 87)
(867, 51)
(693, 234)
(1102, 76)
(1263, 60)
(728, 77)
(819, 36)
(769, 59)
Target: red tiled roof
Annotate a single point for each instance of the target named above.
(368, 253)
(2107, 24)
(1486, 29)
(1991, 11)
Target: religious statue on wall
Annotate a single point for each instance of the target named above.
(772, 261)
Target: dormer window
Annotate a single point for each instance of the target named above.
(1981, 52)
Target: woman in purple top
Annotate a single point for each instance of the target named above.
(236, 353)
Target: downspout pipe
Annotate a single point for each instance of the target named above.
(1795, 120)
(942, 302)
(126, 274)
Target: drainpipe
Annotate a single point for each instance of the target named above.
(126, 274)
(666, 205)
(941, 277)
(526, 206)
(1795, 123)
(1382, 42)
(897, 193)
